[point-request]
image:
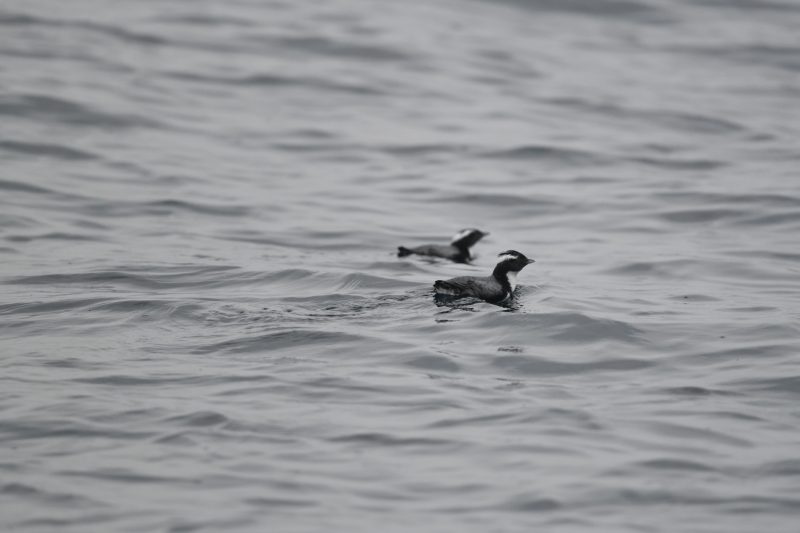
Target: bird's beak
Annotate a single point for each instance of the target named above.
(531, 261)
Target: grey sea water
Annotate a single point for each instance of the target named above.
(204, 326)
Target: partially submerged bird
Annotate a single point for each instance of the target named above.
(495, 288)
(457, 250)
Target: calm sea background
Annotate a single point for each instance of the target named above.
(204, 326)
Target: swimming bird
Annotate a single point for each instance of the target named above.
(495, 288)
(457, 250)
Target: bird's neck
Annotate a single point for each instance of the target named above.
(506, 278)
(463, 250)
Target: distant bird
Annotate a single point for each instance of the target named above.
(457, 250)
(495, 288)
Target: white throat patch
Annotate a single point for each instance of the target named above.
(460, 235)
(512, 280)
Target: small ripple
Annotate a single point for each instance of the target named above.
(340, 49)
(66, 318)
(685, 433)
(17, 186)
(137, 381)
(694, 123)
(124, 475)
(679, 164)
(660, 497)
(56, 236)
(273, 503)
(710, 198)
(341, 384)
(521, 504)
(548, 153)
(497, 200)
(694, 298)
(755, 5)
(325, 85)
(781, 57)
(367, 281)
(166, 207)
(384, 439)
(153, 279)
(434, 362)
(49, 108)
(199, 19)
(93, 277)
(471, 421)
(395, 266)
(785, 467)
(16, 19)
(117, 32)
(177, 438)
(149, 308)
(48, 307)
(759, 352)
(694, 391)
(690, 122)
(13, 430)
(566, 327)
(529, 365)
(198, 419)
(280, 341)
(291, 241)
(290, 274)
(694, 216)
(56, 151)
(783, 384)
(614, 9)
(675, 464)
(426, 149)
(668, 269)
(43, 496)
(787, 217)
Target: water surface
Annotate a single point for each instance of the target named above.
(204, 327)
